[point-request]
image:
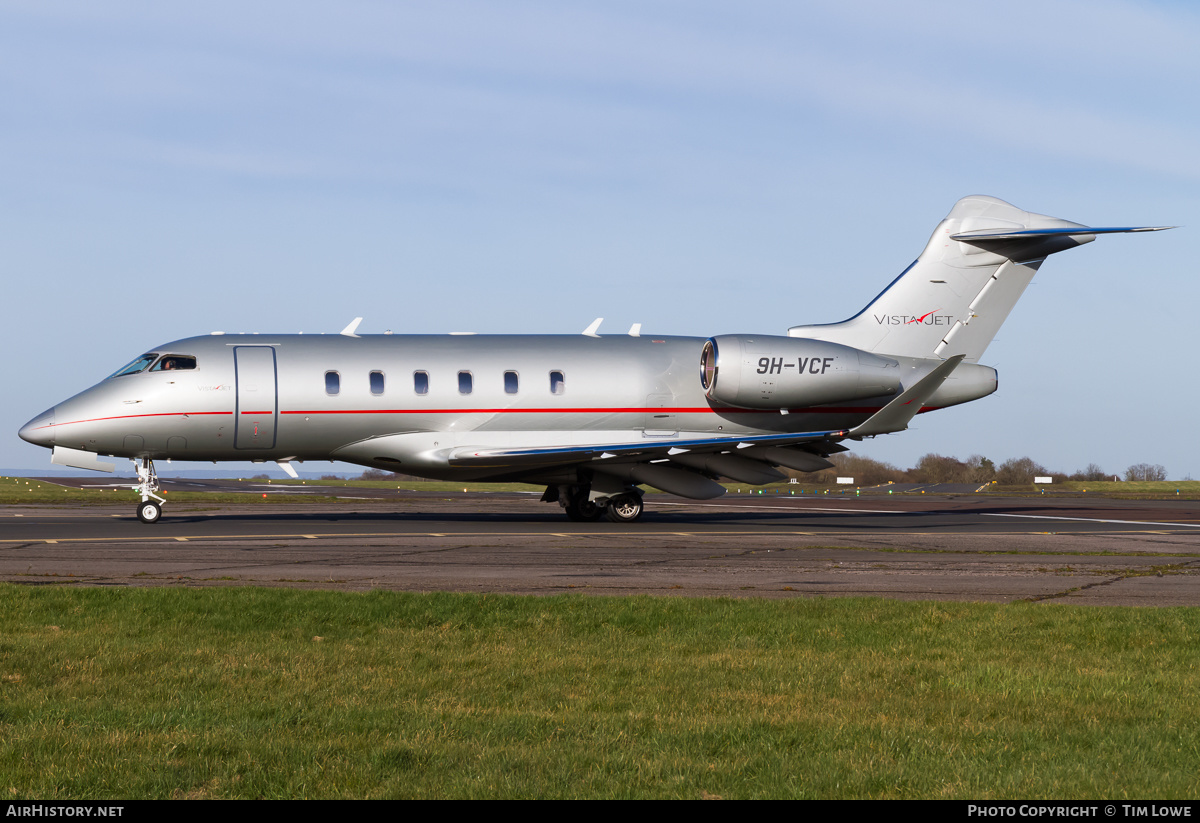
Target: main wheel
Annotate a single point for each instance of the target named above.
(149, 511)
(624, 508)
(583, 511)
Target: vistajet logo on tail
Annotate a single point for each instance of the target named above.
(931, 318)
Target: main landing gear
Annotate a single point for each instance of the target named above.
(582, 510)
(582, 507)
(150, 509)
(625, 508)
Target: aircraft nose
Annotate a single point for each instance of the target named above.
(40, 430)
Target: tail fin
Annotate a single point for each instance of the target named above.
(956, 295)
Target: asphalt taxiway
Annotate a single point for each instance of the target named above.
(940, 547)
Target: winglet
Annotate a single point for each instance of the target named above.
(895, 416)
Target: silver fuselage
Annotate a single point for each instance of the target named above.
(267, 397)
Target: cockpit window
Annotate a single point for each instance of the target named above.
(136, 366)
(175, 362)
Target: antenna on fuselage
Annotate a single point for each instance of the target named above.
(349, 330)
(591, 330)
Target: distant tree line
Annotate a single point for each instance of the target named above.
(937, 468)
(1145, 471)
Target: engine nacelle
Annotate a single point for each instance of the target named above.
(767, 372)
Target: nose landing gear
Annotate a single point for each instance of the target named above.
(150, 509)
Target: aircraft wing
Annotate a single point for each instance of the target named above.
(640, 451)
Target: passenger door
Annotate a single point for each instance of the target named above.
(257, 397)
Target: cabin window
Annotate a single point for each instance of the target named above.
(464, 382)
(136, 366)
(175, 362)
(376, 382)
(510, 382)
(333, 382)
(558, 383)
(421, 382)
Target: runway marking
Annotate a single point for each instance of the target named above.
(181, 539)
(735, 507)
(1093, 520)
(591, 535)
(55, 515)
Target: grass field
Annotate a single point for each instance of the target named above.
(27, 491)
(242, 692)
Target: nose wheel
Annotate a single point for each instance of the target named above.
(150, 509)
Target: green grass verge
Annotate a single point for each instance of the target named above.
(16, 491)
(242, 692)
(25, 491)
(1185, 488)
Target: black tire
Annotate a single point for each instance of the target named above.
(624, 508)
(149, 511)
(584, 511)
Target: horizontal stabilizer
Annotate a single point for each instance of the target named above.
(896, 415)
(1004, 234)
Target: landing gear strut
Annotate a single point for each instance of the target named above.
(150, 509)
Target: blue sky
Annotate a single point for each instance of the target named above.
(698, 167)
